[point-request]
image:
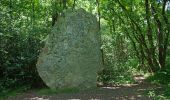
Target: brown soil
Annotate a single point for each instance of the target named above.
(124, 92)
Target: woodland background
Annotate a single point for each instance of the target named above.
(135, 39)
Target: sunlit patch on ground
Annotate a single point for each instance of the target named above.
(36, 98)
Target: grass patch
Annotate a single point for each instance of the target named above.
(42, 91)
(11, 92)
(48, 91)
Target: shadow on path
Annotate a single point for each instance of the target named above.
(123, 92)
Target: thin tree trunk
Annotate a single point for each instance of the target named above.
(74, 4)
(150, 37)
(98, 9)
(166, 40)
(10, 12)
(55, 13)
(64, 4)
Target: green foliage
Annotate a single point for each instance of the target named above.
(12, 92)
(23, 28)
(118, 74)
(159, 94)
(118, 63)
(154, 96)
(161, 77)
(24, 24)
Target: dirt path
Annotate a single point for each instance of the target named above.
(123, 92)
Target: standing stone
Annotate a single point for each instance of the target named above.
(71, 57)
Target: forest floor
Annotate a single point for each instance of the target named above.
(136, 91)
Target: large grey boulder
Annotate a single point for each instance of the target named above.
(71, 56)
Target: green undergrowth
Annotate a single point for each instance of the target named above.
(161, 78)
(162, 93)
(159, 93)
(120, 74)
(12, 92)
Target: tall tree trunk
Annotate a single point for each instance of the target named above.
(167, 31)
(98, 10)
(159, 37)
(150, 37)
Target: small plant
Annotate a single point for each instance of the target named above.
(154, 96)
